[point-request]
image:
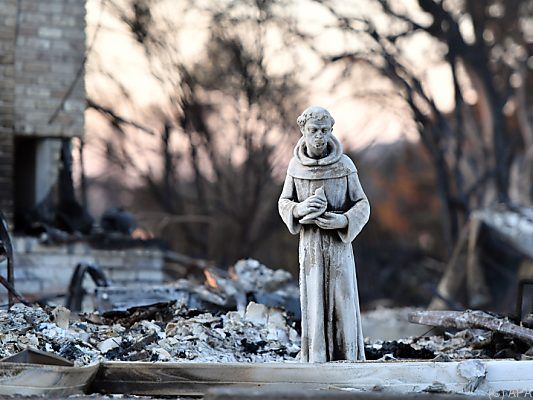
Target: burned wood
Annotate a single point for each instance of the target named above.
(477, 289)
(134, 351)
(497, 238)
(397, 350)
(520, 297)
(472, 319)
(454, 274)
(158, 312)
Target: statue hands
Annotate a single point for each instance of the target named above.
(312, 204)
(330, 220)
(313, 211)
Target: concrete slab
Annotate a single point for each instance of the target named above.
(236, 393)
(482, 377)
(19, 379)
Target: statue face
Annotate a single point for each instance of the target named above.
(316, 136)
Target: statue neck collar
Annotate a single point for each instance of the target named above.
(334, 165)
(334, 154)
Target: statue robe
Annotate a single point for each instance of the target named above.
(331, 319)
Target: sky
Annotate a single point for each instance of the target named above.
(360, 122)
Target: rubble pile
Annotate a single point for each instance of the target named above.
(175, 333)
(514, 226)
(252, 275)
(179, 335)
(461, 345)
(465, 344)
(275, 288)
(248, 280)
(31, 327)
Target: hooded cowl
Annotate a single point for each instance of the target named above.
(334, 165)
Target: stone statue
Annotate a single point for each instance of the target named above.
(324, 202)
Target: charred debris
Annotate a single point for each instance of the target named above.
(247, 314)
(173, 332)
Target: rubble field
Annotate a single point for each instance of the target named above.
(169, 332)
(239, 317)
(173, 334)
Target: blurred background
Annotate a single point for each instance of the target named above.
(190, 111)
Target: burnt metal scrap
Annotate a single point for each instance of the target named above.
(33, 356)
(191, 295)
(6, 250)
(76, 290)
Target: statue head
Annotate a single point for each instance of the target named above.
(316, 125)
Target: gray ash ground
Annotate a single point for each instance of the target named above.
(448, 346)
(260, 335)
(172, 333)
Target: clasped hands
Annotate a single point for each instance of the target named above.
(326, 220)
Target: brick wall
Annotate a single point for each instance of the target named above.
(42, 47)
(6, 175)
(8, 22)
(50, 48)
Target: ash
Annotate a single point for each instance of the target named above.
(253, 275)
(171, 332)
(175, 334)
(22, 327)
(462, 345)
(450, 346)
